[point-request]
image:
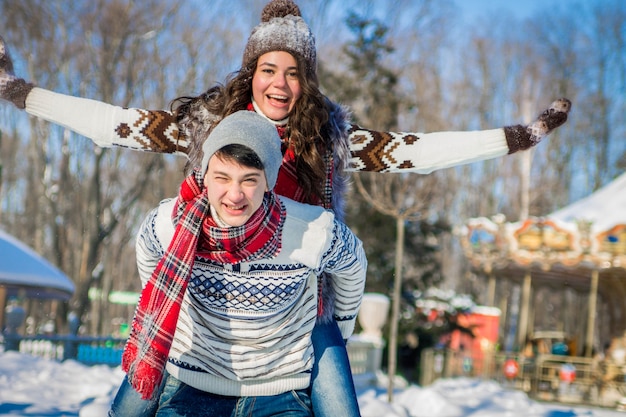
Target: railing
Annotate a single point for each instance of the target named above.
(567, 379)
(365, 356)
(85, 349)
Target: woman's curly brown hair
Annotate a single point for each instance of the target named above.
(307, 122)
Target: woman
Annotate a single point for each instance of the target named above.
(278, 80)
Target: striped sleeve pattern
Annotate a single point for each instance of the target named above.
(148, 248)
(346, 263)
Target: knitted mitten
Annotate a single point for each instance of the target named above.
(12, 89)
(520, 137)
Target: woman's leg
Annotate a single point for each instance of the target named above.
(128, 402)
(332, 387)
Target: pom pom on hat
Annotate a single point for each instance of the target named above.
(279, 8)
(282, 29)
(249, 129)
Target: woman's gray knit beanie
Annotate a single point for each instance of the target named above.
(282, 29)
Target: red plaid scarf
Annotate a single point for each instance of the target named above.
(196, 232)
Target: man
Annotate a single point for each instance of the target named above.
(229, 307)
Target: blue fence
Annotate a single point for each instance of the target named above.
(85, 349)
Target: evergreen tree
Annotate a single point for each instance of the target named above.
(390, 207)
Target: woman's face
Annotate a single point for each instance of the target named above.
(275, 84)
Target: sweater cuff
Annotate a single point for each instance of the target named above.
(517, 138)
(346, 327)
(16, 91)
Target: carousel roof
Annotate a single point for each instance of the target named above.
(589, 233)
(605, 208)
(24, 271)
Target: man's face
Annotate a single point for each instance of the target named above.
(235, 191)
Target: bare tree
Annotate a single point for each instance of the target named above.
(82, 202)
(405, 199)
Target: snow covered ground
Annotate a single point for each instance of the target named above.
(32, 386)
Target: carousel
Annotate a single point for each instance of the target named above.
(564, 273)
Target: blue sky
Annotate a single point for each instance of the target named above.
(519, 8)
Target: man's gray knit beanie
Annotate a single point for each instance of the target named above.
(249, 129)
(282, 29)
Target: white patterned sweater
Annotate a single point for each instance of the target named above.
(353, 148)
(244, 329)
(369, 150)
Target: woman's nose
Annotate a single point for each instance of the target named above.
(280, 81)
